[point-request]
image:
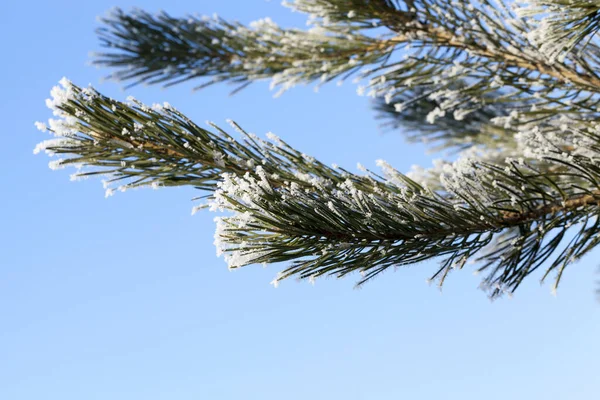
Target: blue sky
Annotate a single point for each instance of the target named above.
(125, 299)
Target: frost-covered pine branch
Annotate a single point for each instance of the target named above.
(161, 49)
(517, 102)
(288, 207)
(564, 25)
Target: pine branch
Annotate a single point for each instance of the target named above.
(161, 49)
(564, 26)
(288, 207)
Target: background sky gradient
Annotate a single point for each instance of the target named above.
(125, 299)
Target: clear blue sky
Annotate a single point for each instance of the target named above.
(125, 299)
